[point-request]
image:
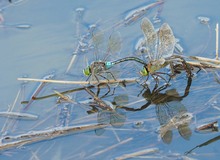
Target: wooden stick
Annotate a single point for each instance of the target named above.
(138, 153)
(111, 147)
(203, 59)
(128, 80)
(101, 103)
(216, 29)
(203, 65)
(36, 136)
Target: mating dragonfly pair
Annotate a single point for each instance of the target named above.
(159, 48)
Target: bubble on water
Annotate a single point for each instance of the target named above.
(138, 124)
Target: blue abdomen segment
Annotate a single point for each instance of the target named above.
(108, 65)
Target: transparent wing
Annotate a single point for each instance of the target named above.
(185, 131)
(98, 43)
(113, 47)
(121, 100)
(150, 38)
(167, 136)
(117, 118)
(166, 41)
(162, 113)
(103, 117)
(114, 43)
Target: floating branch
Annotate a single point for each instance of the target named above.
(101, 104)
(17, 115)
(36, 136)
(110, 147)
(203, 144)
(203, 64)
(126, 80)
(138, 153)
(203, 59)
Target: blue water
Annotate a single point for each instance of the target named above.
(47, 47)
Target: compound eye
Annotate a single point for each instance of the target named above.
(144, 72)
(86, 71)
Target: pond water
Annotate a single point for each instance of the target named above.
(39, 38)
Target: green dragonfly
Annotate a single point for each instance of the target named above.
(101, 68)
(159, 48)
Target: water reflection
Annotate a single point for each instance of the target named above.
(115, 117)
(170, 112)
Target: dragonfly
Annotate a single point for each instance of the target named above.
(159, 48)
(101, 68)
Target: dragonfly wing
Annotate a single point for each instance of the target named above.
(97, 42)
(167, 136)
(162, 113)
(166, 41)
(117, 118)
(114, 43)
(103, 117)
(185, 131)
(150, 37)
(121, 100)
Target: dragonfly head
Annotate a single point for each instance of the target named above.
(144, 71)
(87, 71)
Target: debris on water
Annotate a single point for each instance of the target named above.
(17, 26)
(37, 136)
(135, 14)
(207, 128)
(178, 48)
(64, 115)
(17, 115)
(80, 10)
(138, 153)
(138, 124)
(38, 89)
(203, 20)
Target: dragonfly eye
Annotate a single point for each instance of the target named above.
(87, 71)
(144, 71)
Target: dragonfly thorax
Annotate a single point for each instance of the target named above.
(155, 65)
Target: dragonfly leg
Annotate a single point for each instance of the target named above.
(88, 78)
(158, 74)
(109, 89)
(156, 80)
(145, 86)
(98, 91)
(186, 66)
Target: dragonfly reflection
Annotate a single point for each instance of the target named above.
(115, 117)
(171, 113)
